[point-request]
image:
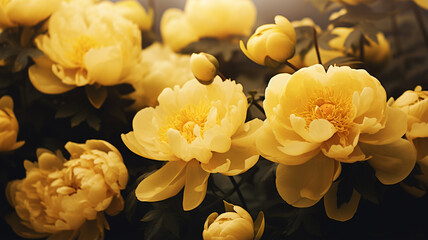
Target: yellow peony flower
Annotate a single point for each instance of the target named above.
(415, 105)
(219, 19)
(422, 3)
(271, 44)
(198, 129)
(175, 29)
(8, 126)
(132, 10)
(355, 2)
(235, 223)
(317, 120)
(87, 44)
(159, 68)
(206, 18)
(25, 12)
(204, 67)
(66, 199)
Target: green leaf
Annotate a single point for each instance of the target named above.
(224, 48)
(96, 95)
(259, 226)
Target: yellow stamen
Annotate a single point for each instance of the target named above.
(333, 107)
(80, 46)
(185, 120)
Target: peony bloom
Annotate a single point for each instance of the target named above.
(87, 44)
(8, 126)
(197, 129)
(204, 67)
(316, 120)
(159, 67)
(175, 29)
(206, 18)
(219, 19)
(235, 223)
(415, 105)
(67, 199)
(132, 10)
(26, 12)
(271, 44)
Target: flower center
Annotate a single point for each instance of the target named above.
(328, 105)
(185, 120)
(80, 46)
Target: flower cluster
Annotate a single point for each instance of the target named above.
(288, 119)
(67, 198)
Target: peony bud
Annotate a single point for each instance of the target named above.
(204, 67)
(235, 223)
(271, 44)
(8, 126)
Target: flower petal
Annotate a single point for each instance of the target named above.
(162, 184)
(196, 185)
(395, 128)
(46, 82)
(346, 211)
(304, 185)
(392, 162)
(104, 65)
(270, 148)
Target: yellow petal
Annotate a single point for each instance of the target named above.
(304, 185)
(346, 211)
(104, 65)
(195, 187)
(164, 183)
(269, 147)
(392, 162)
(46, 82)
(395, 128)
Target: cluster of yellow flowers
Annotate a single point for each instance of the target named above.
(317, 119)
(66, 199)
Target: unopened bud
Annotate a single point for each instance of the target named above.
(204, 67)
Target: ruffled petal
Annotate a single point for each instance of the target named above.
(162, 184)
(304, 185)
(395, 128)
(271, 149)
(392, 162)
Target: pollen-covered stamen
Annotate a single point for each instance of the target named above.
(80, 46)
(328, 105)
(185, 121)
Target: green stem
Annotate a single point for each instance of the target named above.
(362, 43)
(317, 49)
(236, 187)
(222, 76)
(292, 66)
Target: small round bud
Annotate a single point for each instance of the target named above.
(271, 44)
(204, 67)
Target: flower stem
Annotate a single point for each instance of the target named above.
(222, 76)
(317, 49)
(258, 106)
(291, 65)
(362, 43)
(236, 186)
(421, 24)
